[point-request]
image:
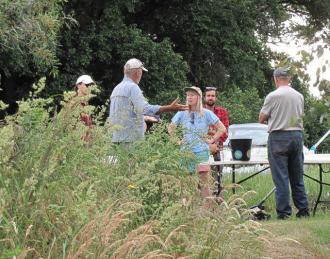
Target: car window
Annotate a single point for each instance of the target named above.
(259, 136)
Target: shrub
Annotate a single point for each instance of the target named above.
(243, 105)
(63, 197)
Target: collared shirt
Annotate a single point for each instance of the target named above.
(195, 128)
(222, 114)
(127, 107)
(284, 108)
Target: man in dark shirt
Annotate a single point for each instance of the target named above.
(216, 148)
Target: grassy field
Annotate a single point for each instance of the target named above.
(60, 197)
(311, 237)
(262, 184)
(295, 238)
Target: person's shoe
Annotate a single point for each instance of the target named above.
(304, 213)
(283, 217)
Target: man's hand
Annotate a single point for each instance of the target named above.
(263, 118)
(150, 119)
(177, 106)
(174, 106)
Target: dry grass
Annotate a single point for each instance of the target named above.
(105, 236)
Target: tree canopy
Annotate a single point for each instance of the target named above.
(219, 43)
(29, 34)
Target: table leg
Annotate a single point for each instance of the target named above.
(252, 175)
(320, 189)
(233, 178)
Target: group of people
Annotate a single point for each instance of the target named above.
(128, 108)
(205, 127)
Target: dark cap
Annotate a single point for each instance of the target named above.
(281, 72)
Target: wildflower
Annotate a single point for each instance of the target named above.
(131, 186)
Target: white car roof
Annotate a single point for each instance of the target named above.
(256, 131)
(249, 126)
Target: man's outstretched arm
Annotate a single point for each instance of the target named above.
(173, 107)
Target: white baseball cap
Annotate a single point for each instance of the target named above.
(134, 63)
(85, 79)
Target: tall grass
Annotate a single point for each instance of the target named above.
(60, 197)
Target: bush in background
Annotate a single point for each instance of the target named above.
(243, 105)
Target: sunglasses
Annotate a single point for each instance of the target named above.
(90, 84)
(210, 88)
(192, 118)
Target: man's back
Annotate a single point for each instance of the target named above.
(285, 108)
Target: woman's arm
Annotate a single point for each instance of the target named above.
(220, 129)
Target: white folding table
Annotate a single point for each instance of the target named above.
(310, 159)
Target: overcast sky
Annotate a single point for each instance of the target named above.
(292, 46)
(293, 50)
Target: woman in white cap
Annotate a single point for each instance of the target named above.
(82, 84)
(195, 124)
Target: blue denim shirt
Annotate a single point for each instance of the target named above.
(127, 107)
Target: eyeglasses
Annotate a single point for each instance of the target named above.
(210, 88)
(192, 118)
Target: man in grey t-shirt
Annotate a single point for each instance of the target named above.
(283, 111)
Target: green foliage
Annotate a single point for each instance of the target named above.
(325, 93)
(216, 38)
(61, 196)
(243, 105)
(102, 45)
(52, 175)
(29, 36)
(317, 123)
(7, 142)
